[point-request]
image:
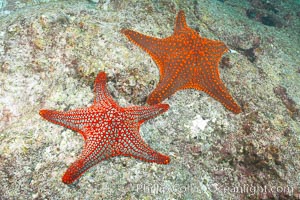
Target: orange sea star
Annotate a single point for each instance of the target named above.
(185, 60)
(108, 130)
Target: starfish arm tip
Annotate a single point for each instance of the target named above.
(180, 23)
(181, 12)
(164, 107)
(47, 114)
(167, 160)
(43, 112)
(67, 179)
(154, 157)
(162, 159)
(101, 78)
(74, 172)
(126, 32)
(102, 95)
(232, 106)
(237, 109)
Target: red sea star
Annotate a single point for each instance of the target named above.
(185, 60)
(108, 130)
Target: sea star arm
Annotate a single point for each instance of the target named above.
(73, 119)
(144, 113)
(102, 95)
(147, 43)
(166, 87)
(92, 154)
(208, 79)
(218, 91)
(180, 23)
(137, 148)
(155, 47)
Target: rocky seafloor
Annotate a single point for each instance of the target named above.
(51, 52)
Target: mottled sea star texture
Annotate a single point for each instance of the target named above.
(108, 130)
